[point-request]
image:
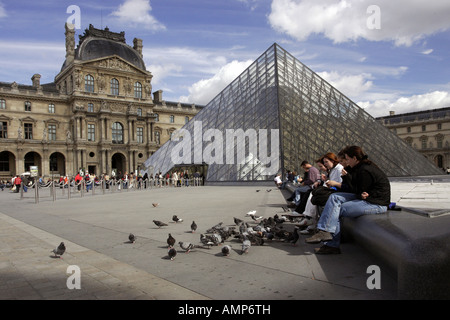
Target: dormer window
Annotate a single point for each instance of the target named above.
(114, 87)
(89, 83)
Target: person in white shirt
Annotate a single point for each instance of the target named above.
(278, 181)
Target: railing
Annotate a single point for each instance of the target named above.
(60, 190)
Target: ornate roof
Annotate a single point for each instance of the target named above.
(97, 43)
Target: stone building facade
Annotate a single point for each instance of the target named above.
(426, 131)
(99, 115)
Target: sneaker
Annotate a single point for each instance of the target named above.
(319, 236)
(327, 250)
(307, 231)
(306, 221)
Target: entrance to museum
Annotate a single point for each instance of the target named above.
(7, 165)
(92, 169)
(57, 165)
(118, 163)
(32, 159)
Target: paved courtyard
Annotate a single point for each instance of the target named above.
(95, 229)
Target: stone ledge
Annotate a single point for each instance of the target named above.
(414, 244)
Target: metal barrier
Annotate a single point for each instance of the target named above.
(83, 188)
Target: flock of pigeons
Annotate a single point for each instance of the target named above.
(247, 235)
(265, 229)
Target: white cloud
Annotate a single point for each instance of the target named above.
(401, 21)
(137, 13)
(427, 51)
(350, 85)
(20, 60)
(205, 90)
(161, 71)
(427, 101)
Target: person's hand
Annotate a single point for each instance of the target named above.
(364, 195)
(331, 183)
(343, 172)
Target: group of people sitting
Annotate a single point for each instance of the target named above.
(344, 185)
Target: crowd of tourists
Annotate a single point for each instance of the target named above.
(344, 185)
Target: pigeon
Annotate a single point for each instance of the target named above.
(216, 238)
(268, 190)
(193, 226)
(237, 221)
(256, 218)
(215, 228)
(176, 219)
(295, 235)
(132, 238)
(172, 253)
(170, 241)
(226, 250)
(245, 246)
(250, 213)
(159, 223)
(59, 251)
(206, 240)
(155, 204)
(258, 190)
(187, 246)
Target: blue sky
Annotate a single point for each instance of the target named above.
(394, 56)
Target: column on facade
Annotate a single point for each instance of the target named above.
(80, 129)
(108, 162)
(84, 159)
(101, 125)
(45, 163)
(103, 161)
(69, 164)
(107, 126)
(130, 131)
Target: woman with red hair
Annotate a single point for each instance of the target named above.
(369, 193)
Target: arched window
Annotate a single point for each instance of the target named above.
(2, 104)
(117, 133)
(89, 83)
(114, 86)
(138, 90)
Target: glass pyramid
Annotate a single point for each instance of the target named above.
(276, 114)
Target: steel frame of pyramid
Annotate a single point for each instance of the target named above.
(282, 113)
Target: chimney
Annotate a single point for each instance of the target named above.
(157, 96)
(392, 113)
(70, 42)
(36, 80)
(138, 45)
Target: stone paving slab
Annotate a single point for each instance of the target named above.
(28, 270)
(95, 229)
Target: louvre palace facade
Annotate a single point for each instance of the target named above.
(426, 131)
(100, 114)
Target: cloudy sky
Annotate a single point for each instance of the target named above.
(384, 55)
